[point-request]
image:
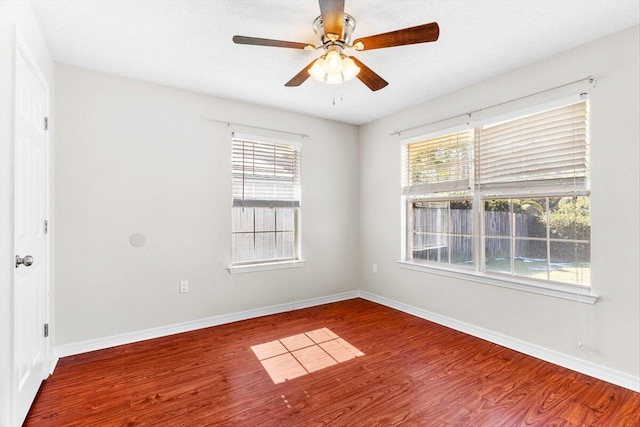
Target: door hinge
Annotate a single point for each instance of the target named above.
(46, 226)
(46, 330)
(46, 123)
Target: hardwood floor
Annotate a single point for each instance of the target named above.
(413, 373)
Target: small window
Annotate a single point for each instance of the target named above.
(441, 232)
(544, 238)
(266, 201)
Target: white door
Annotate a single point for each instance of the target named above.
(30, 281)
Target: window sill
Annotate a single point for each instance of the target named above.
(265, 266)
(568, 292)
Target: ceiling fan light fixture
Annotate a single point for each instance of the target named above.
(334, 68)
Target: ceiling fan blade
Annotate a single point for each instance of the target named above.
(301, 77)
(256, 41)
(419, 34)
(369, 77)
(332, 12)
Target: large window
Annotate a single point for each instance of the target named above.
(266, 201)
(508, 198)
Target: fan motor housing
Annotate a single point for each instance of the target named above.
(349, 24)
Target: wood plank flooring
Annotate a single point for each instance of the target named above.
(413, 373)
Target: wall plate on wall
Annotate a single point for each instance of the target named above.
(137, 240)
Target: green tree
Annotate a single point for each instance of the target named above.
(570, 219)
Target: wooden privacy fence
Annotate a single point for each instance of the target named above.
(432, 225)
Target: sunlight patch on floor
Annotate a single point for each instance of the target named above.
(298, 355)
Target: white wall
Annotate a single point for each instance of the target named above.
(135, 157)
(611, 328)
(14, 15)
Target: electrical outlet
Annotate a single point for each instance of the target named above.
(374, 268)
(184, 286)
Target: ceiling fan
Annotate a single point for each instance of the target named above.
(334, 28)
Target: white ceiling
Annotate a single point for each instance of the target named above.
(187, 44)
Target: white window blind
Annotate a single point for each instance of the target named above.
(545, 149)
(265, 174)
(437, 164)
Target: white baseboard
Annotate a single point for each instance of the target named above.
(622, 379)
(53, 362)
(585, 367)
(131, 337)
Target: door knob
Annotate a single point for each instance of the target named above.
(27, 260)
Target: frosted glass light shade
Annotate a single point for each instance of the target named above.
(349, 69)
(317, 70)
(333, 62)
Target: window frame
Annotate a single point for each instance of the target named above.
(268, 203)
(478, 272)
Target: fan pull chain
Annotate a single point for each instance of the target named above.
(333, 100)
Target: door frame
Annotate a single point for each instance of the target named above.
(22, 49)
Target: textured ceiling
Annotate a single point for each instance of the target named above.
(187, 44)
